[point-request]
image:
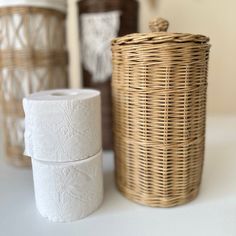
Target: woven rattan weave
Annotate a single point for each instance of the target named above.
(32, 58)
(159, 90)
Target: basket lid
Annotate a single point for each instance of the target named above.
(60, 5)
(159, 27)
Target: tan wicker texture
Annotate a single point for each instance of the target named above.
(33, 57)
(159, 90)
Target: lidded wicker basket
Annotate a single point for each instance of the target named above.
(33, 58)
(159, 89)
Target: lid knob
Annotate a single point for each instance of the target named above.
(158, 25)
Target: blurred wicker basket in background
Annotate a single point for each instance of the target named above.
(33, 57)
(159, 88)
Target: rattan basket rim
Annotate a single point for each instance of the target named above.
(159, 37)
(18, 9)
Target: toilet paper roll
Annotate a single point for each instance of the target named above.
(63, 125)
(67, 192)
(60, 5)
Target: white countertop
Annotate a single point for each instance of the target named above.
(213, 213)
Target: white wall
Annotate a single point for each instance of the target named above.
(73, 46)
(214, 18)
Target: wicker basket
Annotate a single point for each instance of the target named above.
(159, 90)
(103, 20)
(33, 58)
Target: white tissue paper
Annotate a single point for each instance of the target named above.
(60, 5)
(67, 192)
(63, 125)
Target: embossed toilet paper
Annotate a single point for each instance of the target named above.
(63, 125)
(66, 192)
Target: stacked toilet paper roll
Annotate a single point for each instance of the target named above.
(63, 138)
